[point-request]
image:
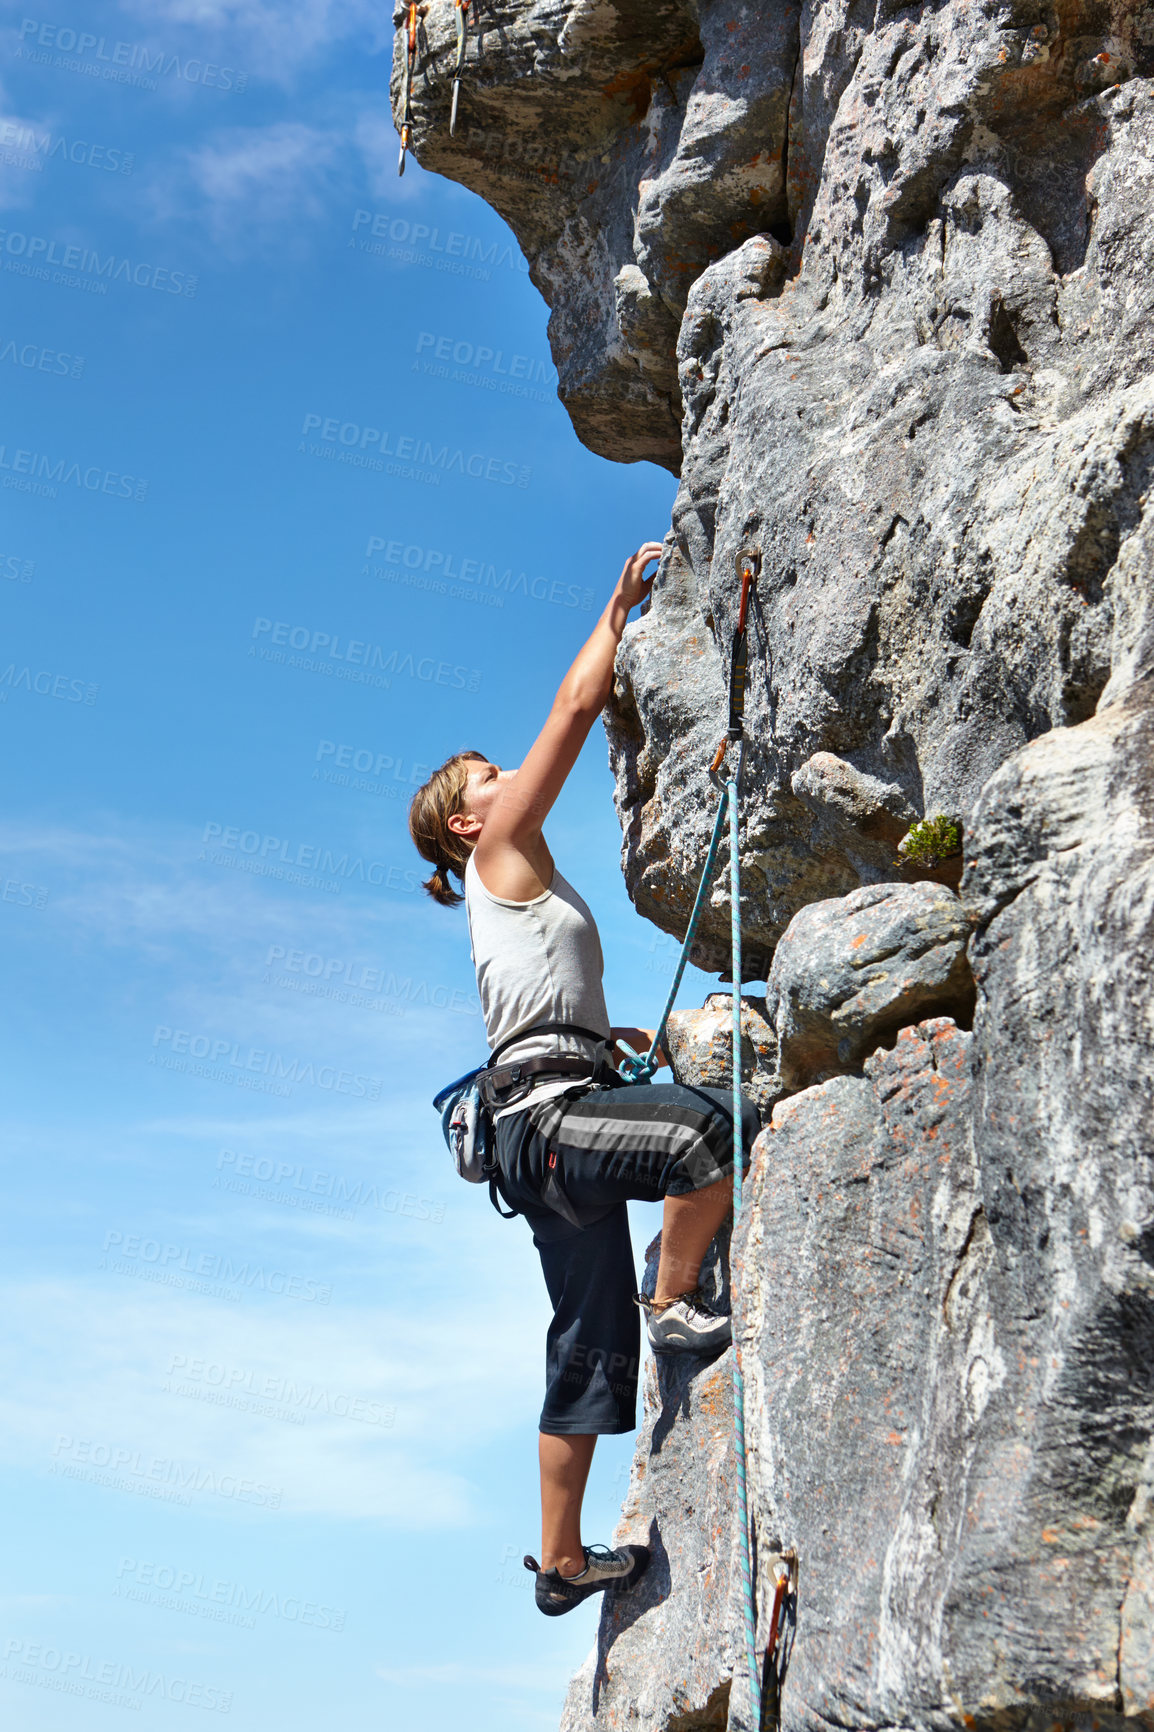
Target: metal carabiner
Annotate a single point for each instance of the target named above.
(407, 85)
(747, 564)
(461, 8)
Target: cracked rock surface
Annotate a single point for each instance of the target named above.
(851, 972)
(700, 1048)
(878, 282)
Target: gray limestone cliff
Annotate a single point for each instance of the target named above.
(876, 281)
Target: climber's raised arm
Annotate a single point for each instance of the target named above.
(511, 855)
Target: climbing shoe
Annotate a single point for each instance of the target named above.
(557, 1594)
(684, 1325)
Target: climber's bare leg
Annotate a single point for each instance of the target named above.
(564, 1470)
(688, 1225)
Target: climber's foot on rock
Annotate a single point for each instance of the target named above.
(684, 1325)
(557, 1594)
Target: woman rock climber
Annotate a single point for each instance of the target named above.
(575, 1142)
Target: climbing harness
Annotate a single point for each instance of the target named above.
(637, 1069)
(411, 34)
(461, 10)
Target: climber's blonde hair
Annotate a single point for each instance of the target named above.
(443, 797)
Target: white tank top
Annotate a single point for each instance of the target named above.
(537, 961)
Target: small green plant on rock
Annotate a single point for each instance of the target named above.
(929, 843)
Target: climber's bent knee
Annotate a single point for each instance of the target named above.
(570, 1167)
(644, 1142)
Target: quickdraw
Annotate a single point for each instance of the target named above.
(415, 11)
(747, 566)
(784, 1591)
(461, 10)
(412, 29)
(779, 1643)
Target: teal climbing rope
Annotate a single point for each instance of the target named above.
(638, 1069)
(741, 1516)
(633, 1067)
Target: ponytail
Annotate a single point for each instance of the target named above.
(443, 797)
(441, 890)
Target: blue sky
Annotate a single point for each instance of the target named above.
(272, 1372)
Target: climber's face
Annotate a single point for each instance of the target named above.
(482, 789)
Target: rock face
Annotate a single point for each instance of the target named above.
(1062, 882)
(851, 972)
(891, 270)
(959, 1372)
(861, 1264)
(700, 1048)
(626, 146)
(877, 282)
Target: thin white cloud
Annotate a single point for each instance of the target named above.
(249, 183)
(85, 1376)
(370, 979)
(268, 40)
(432, 1316)
(282, 183)
(22, 169)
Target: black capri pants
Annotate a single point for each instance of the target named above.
(568, 1165)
